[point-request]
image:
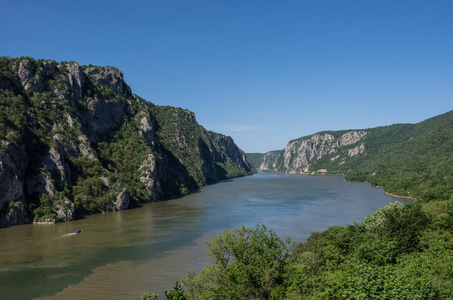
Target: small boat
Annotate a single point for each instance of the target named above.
(79, 231)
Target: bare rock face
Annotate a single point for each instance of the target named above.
(35, 85)
(269, 160)
(64, 211)
(122, 200)
(84, 147)
(357, 150)
(39, 184)
(352, 137)
(148, 170)
(12, 170)
(110, 77)
(30, 80)
(103, 119)
(57, 166)
(147, 130)
(25, 71)
(65, 146)
(84, 137)
(17, 214)
(299, 154)
(76, 79)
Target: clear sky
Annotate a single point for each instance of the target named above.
(263, 72)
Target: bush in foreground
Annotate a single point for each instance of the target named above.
(398, 252)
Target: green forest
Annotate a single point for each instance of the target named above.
(414, 160)
(397, 252)
(411, 160)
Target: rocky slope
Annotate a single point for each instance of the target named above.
(411, 160)
(299, 154)
(75, 139)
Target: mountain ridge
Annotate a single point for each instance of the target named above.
(75, 140)
(408, 160)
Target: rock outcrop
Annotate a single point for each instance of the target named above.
(13, 164)
(75, 140)
(269, 161)
(122, 200)
(300, 155)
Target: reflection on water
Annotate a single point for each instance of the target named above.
(123, 254)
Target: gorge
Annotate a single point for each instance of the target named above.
(409, 160)
(75, 140)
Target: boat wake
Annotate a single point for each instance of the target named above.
(68, 235)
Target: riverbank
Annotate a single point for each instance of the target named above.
(130, 252)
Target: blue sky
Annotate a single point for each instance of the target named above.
(263, 72)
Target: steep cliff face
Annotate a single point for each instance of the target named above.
(12, 171)
(75, 140)
(302, 155)
(208, 156)
(410, 160)
(269, 161)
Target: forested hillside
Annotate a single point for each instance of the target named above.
(410, 160)
(255, 159)
(75, 140)
(397, 252)
(413, 160)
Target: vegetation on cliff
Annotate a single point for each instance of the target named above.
(256, 159)
(76, 140)
(412, 160)
(397, 252)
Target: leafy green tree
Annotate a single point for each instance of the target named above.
(177, 293)
(248, 263)
(149, 296)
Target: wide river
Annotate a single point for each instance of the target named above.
(124, 254)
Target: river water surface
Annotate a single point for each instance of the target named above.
(124, 254)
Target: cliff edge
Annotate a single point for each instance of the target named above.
(75, 140)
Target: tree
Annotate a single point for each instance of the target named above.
(149, 296)
(248, 263)
(177, 293)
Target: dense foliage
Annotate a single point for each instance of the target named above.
(397, 252)
(256, 159)
(77, 138)
(412, 160)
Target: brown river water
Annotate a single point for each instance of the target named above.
(124, 254)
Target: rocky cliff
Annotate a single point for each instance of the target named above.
(410, 160)
(75, 139)
(299, 155)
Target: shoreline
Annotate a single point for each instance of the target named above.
(398, 196)
(338, 174)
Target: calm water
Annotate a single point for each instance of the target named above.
(124, 254)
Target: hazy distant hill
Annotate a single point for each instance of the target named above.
(255, 158)
(75, 139)
(406, 159)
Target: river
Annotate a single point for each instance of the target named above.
(124, 254)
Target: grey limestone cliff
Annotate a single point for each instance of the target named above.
(299, 155)
(75, 140)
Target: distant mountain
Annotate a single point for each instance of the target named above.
(75, 140)
(413, 160)
(255, 158)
